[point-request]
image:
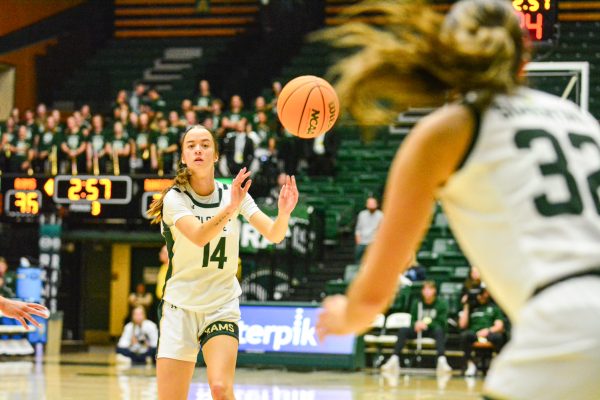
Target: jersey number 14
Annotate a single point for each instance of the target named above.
(218, 254)
(574, 204)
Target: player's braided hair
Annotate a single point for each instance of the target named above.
(181, 179)
(417, 57)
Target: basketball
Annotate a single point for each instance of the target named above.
(308, 106)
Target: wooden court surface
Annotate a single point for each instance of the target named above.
(94, 376)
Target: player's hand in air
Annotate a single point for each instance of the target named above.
(288, 196)
(23, 312)
(238, 191)
(332, 320)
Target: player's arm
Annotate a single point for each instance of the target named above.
(275, 231)
(429, 156)
(201, 233)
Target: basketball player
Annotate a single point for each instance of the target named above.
(517, 172)
(200, 305)
(22, 312)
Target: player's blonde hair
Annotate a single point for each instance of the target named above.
(182, 178)
(417, 57)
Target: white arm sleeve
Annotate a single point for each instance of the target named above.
(125, 340)
(248, 207)
(174, 207)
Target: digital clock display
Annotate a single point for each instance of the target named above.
(22, 203)
(97, 189)
(538, 17)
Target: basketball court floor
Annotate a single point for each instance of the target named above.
(95, 375)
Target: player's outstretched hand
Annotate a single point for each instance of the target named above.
(332, 320)
(238, 191)
(23, 312)
(288, 196)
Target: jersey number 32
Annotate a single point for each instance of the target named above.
(560, 168)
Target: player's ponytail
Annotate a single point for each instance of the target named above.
(182, 178)
(415, 56)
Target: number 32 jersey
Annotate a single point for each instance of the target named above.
(525, 205)
(201, 279)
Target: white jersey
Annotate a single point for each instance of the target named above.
(201, 279)
(525, 204)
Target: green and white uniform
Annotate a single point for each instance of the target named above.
(201, 286)
(525, 208)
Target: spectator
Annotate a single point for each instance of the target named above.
(137, 98)
(120, 101)
(238, 149)
(156, 102)
(144, 141)
(165, 148)
(21, 151)
(41, 116)
(321, 154)
(276, 88)
(366, 226)
(140, 297)
(86, 116)
(138, 342)
(472, 286)
(49, 140)
(57, 119)
(7, 139)
(82, 123)
(73, 148)
(429, 316)
(235, 113)
(217, 118)
(32, 128)
(9, 277)
(267, 137)
(186, 105)
(480, 321)
(260, 105)
(15, 113)
(175, 127)
(203, 102)
(190, 119)
(118, 148)
(163, 256)
(5, 291)
(97, 157)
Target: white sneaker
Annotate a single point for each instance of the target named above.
(471, 369)
(123, 360)
(391, 366)
(442, 366)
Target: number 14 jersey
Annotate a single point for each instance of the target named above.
(525, 204)
(201, 279)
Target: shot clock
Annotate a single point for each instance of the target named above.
(538, 17)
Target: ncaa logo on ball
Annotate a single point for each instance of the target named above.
(314, 121)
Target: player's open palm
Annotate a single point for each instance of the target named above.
(238, 189)
(288, 196)
(23, 312)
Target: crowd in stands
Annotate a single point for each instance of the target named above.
(480, 321)
(142, 136)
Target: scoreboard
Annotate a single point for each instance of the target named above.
(80, 197)
(538, 17)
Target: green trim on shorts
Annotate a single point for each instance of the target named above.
(220, 328)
